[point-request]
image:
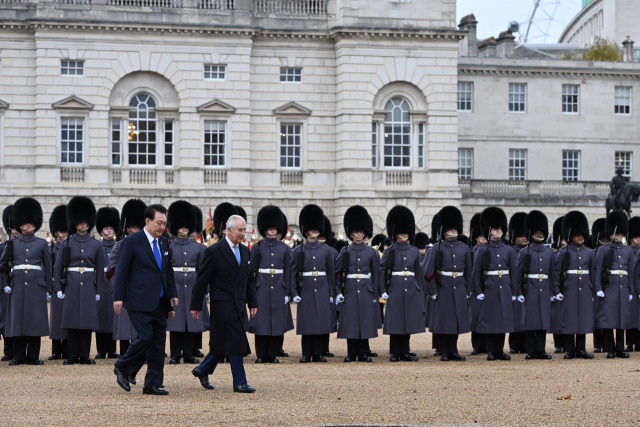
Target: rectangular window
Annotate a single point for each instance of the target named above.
(116, 144)
(465, 163)
(215, 142)
(465, 96)
(290, 74)
(397, 144)
(622, 100)
(570, 165)
(623, 161)
(168, 143)
(374, 145)
(570, 94)
(72, 68)
(421, 145)
(71, 140)
(290, 145)
(215, 72)
(517, 164)
(517, 97)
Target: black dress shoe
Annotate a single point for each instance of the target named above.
(408, 358)
(436, 353)
(394, 358)
(503, 356)
(543, 356)
(274, 360)
(132, 380)
(174, 361)
(282, 353)
(319, 359)
(52, 357)
(198, 353)
(113, 355)
(530, 356)
(122, 379)
(364, 358)
(204, 378)
(611, 355)
(584, 355)
(349, 359)
(444, 358)
(491, 356)
(558, 350)
(475, 351)
(243, 388)
(86, 361)
(411, 353)
(15, 362)
(372, 353)
(597, 350)
(191, 360)
(5, 358)
(71, 361)
(40, 362)
(622, 354)
(305, 359)
(260, 360)
(155, 390)
(100, 356)
(457, 357)
(569, 355)
(328, 354)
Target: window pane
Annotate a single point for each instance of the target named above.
(290, 145)
(142, 130)
(71, 140)
(397, 138)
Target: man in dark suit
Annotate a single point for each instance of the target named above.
(144, 284)
(225, 269)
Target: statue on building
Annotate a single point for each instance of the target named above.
(622, 193)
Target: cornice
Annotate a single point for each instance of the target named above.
(547, 72)
(397, 33)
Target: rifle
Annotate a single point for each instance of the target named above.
(388, 273)
(563, 273)
(486, 260)
(606, 270)
(256, 263)
(9, 250)
(300, 270)
(66, 254)
(345, 269)
(438, 265)
(525, 273)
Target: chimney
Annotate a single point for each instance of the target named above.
(469, 23)
(627, 47)
(487, 48)
(505, 44)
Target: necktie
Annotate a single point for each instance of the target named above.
(156, 253)
(237, 252)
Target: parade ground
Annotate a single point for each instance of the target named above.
(427, 392)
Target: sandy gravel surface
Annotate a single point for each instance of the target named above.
(427, 392)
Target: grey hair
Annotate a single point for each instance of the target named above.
(232, 222)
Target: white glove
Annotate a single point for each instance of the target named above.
(7, 290)
(559, 297)
(513, 298)
(434, 297)
(480, 297)
(60, 295)
(207, 296)
(600, 294)
(552, 299)
(630, 297)
(331, 300)
(97, 297)
(48, 296)
(286, 300)
(384, 296)
(521, 298)
(339, 299)
(297, 299)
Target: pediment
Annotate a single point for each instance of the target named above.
(3, 105)
(292, 109)
(216, 107)
(72, 103)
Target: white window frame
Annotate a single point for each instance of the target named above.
(72, 125)
(622, 102)
(421, 144)
(570, 165)
(406, 137)
(517, 164)
(72, 67)
(215, 72)
(224, 145)
(465, 96)
(465, 163)
(290, 141)
(570, 99)
(168, 142)
(291, 74)
(624, 160)
(115, 141)
(375, 138)
(134, 130)
(518, 98)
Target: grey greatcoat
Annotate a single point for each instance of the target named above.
(405, 311)
(474, 304)
(450, 311)
(55, 308)
(612, 311)
(271, 289)
(634, 306)
(27, 314)
(357, 315)
(105, 305)
(79, 310)
(428, 302)
(575, 311)
(536, 309)
(186, 256)
(4, 298)
(122, 328)
(314, 315)
(517, 305)
(496, 311)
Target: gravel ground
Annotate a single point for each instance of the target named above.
(427, 392)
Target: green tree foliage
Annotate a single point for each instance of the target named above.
(603, 50)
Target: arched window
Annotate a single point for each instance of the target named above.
(143, 122)
(397, 134)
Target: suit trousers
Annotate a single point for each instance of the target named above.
(26, 349)
(236, 361)
(150, 327)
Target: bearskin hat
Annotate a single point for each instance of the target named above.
(493, 217)
(634, 227)
(7, 221)
(339, 244)
(328, 232)
(463, 239)
(221, 214)
(557, 236)
(27, 210)
(450, 217)
(377, 242)
(597, 231)
(181, 215)
(420, 240)
(107, 217)
(81, 209)
(271, 216)
(132, 214)
(241, 212)
(198, 213)
(574, 223)
(435, 229)
(400, 220)
(536, 221)
(356, 218)
(58, 219)
(516, 226)
(311, 218)
(617, 222)
(285, 227)
(475, 230)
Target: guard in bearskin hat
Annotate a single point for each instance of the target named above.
(633, 338)
(598, 239)
(614, 284)
(327, 237)
(186, 256)
(478, 340)
(378, 243)
(27, 261)
(518, 238)
(313, 275)
(494, 283)
(107, 223)
(12, 233)
(403, 287)
(271, 268)
(59, 229)
(573, 286)
(558, 241)
(197, 236)
(79, 279)
(199, 221)
(534, 268)
(358, 266)
(281, 352)
(448, 273)
(221, 214)
(421, 241)
(436, 237)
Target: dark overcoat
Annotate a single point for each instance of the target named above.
(105, 305)
(612, 311)
(4, 298)
(55, 308)
(634, 306)
(536, 309)
(122, 327)
(474, 304)
(517, 305)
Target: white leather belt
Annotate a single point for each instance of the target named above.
(620, 272)
(578, 272)
(453, 274)
(81, 269)
(403, 273)
(184, 269)
(537, 276)
(359, 276)
(26, 267)
(499, 273)
(271, 270)
(314, 273)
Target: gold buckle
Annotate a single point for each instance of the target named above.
(405, 273)
(185, 269)
(26, 267)
(358, 276)
(499, 273)
(272, 271)
(81, 269)
(621, 272)
(454, 274)
(540, 276)
(314, 273)
(579, 271)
